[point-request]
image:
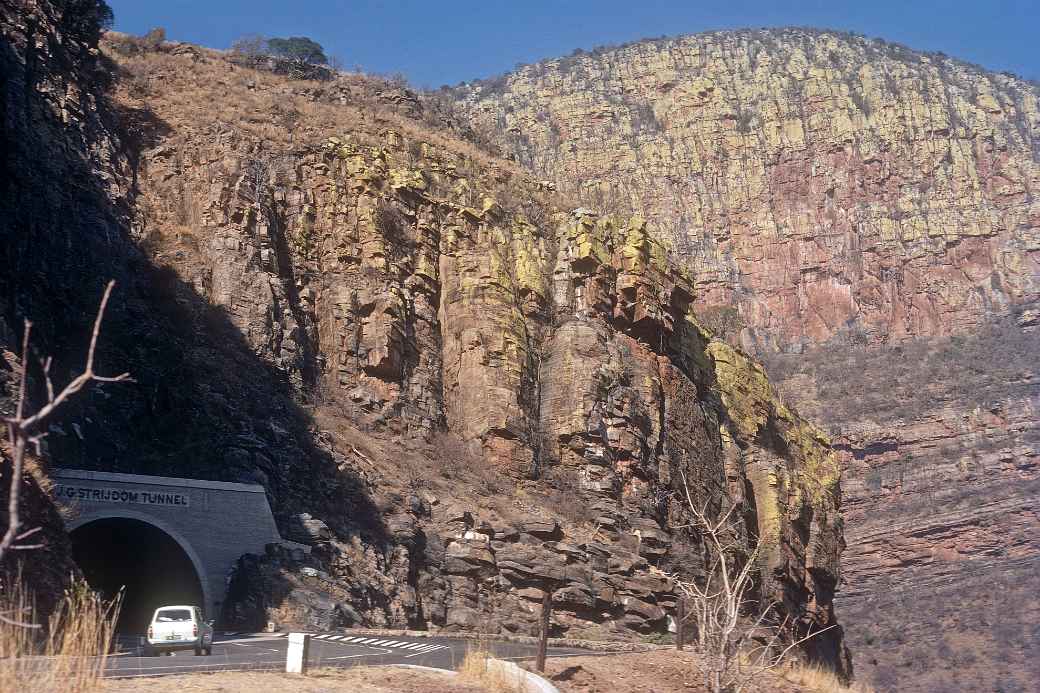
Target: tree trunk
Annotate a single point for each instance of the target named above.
(543, 635)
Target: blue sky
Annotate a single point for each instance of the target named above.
(434, 42)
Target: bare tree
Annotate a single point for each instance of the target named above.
(738, 638)
(249, 50)
(25, 429)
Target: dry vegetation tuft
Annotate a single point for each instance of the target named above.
(480, 669)
(66, 654)
(810, 678)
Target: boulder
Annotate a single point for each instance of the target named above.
(463, 618)
(646, 585)
(569, 550)
(503, 532)
(574, 596)
(543, 529)
(469, 558)
(531, 593)
(653, 543)
(644, 610)
(525, 563)
(308, 530)
(624, 563)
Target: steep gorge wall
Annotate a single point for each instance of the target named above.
(50, 131)
(818, 181)
(422, 298)
(867, 211)
(279, 286)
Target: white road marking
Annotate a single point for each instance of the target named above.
(237, 640)
(420, 652)
(562, 654)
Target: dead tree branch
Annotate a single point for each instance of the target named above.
(25, 428)
(737, 637)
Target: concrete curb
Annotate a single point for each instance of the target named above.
(592, 645)
(526, 681)
(420, 667)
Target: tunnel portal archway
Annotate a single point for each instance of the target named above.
(213, 522)
(117, 552)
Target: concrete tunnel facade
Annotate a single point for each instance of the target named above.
(213, 522)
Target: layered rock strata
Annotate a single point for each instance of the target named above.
(840, 200)
(420, 302)
(282, 281)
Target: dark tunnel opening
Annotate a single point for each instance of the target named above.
(151, 565)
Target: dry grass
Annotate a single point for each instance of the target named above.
(810, 678)
(671, 670)
(275, 108)
(479, 669)
(63, 655)
(195, 99)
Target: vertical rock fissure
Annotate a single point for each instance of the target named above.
(303, 333)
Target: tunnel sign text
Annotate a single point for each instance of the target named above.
(118, 495)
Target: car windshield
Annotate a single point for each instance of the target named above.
(168, 615)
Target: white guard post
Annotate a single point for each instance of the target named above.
(296, 658)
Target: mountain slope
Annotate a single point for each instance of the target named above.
(866, 219)
(456, 389)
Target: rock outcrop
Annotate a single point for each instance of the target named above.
(318, 298)
(851, 211)
(566, 346)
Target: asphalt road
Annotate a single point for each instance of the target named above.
(262, 651)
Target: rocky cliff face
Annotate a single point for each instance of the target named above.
(424, 288)
(865, 218)
(457, 390)
(50, 131)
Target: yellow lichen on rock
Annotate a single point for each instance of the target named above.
(753, 406)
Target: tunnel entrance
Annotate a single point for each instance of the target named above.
(115, 552)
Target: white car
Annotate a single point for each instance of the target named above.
(179, 628)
